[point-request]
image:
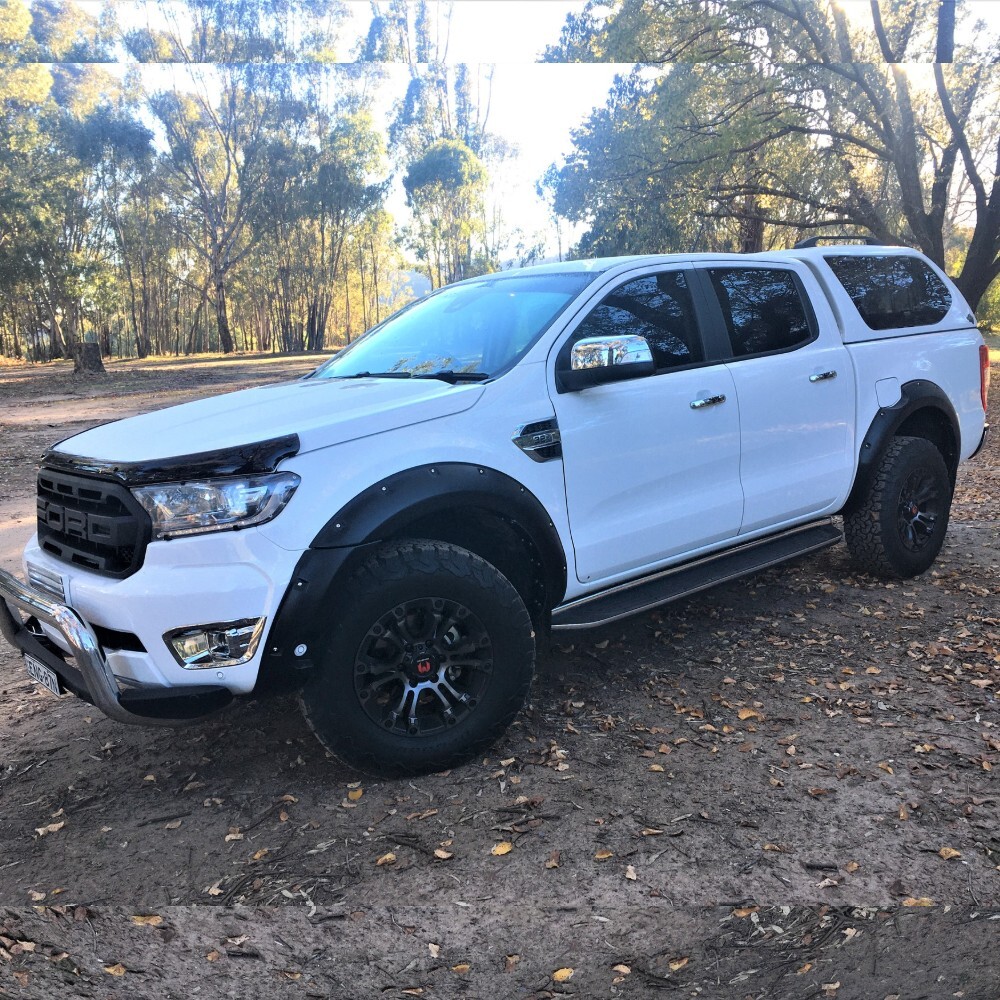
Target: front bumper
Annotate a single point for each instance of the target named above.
(90, 676)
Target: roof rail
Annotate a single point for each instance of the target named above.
(814, 241)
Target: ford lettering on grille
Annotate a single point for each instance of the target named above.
(91, 523)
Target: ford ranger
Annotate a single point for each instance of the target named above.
(552, 448)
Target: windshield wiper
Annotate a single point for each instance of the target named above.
(447, 375)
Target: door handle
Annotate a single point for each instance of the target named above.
(822, 376)
(700, 404)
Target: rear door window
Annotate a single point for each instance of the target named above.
(763, 309)
(892, 291)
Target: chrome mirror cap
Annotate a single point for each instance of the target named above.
(606, 352)
(596, 360)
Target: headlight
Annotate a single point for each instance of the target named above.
(215, 504)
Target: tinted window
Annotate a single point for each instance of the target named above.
(762, 307)
(892, 291)
(657, 307)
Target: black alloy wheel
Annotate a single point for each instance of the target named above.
(921, 505)
(423, 666)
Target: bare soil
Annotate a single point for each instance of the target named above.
(785, 787)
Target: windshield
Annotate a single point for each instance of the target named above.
(473, 330)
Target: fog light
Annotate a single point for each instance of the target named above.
(223, 644)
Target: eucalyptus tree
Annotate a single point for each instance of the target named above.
(197, 32)
(217, 153)
(67, 32)
(325, 178)
(444, 189)
(24, 90)
(53, 234)
(75, 247)
(441, 140)
(132, 204)
(219, 126)
(611, 179)
(806, 116)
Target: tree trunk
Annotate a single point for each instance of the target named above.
(222, 316)
(751, 226)
(364, 289)
(87, 359)
(57, 344)
(378, 310)
(347, 303)
(980, 271)
(143, 340)
(946, 32)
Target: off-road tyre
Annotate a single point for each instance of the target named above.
(384, 652)
(897, 531)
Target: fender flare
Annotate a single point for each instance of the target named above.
(379, 512)
(914, 396)
(386, 506)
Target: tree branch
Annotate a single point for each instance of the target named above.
(883, 39)
(958, 132)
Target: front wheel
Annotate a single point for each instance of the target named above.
(430, 659)
(898, 531)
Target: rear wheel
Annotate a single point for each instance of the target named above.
(899, 529)
(429, 661)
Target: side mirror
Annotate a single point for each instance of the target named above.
(596, 360)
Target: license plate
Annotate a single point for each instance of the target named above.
(41, 674)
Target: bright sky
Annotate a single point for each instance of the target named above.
(533, 105)
(508, 31)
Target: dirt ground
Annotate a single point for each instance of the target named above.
(785, 787)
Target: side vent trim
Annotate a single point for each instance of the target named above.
(539, 440)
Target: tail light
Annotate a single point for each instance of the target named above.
(984, 374)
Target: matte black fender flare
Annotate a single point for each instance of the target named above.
(914, 396)
(381, 511)
(384, 507)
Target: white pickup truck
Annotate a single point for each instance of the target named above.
(552, 448)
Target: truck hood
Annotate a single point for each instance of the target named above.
(322, 412)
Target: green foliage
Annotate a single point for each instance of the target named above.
(606, 182)
(445, 188)
(448, 166)
(442, 148)
(63, 32)
(239, 32)
(989, 308)
(778, 117)
(56, 126)
(580, 39)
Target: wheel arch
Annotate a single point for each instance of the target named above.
(924, 411)
(476, 507)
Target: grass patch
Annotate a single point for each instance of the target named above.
(993, 343)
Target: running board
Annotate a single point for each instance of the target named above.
(650, 592)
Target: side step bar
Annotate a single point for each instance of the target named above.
(650, 592)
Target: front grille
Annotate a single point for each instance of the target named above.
(91, 523)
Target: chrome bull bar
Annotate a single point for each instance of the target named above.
(100, 681)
